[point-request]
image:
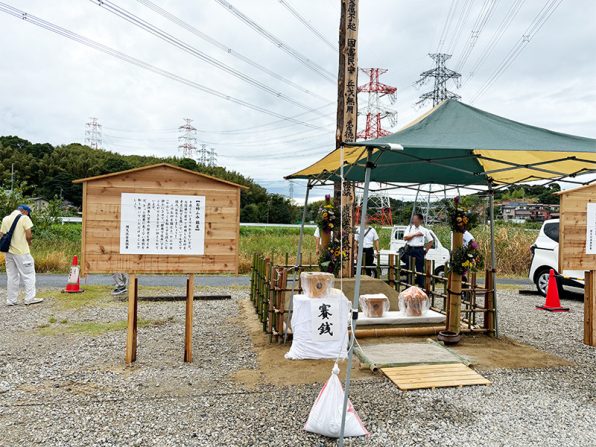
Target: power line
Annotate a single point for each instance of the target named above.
(174, 19)
(537, 23)
(483, 17)
(131, 60)
(463, 17)
(307, 24)
(447, 25)
(166, 37)
(278, 43)
(496, 36)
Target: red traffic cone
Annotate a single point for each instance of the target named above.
(73, 284)
(553, 303)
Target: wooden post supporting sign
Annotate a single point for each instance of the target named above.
(190, 294)
(590, 308)
(131, 336)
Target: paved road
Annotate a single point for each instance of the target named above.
(52, 280)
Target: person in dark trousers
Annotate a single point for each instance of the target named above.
(370, 245)
(418, 242)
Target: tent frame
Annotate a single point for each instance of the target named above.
(369, 163)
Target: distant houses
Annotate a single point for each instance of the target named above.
(528, 212)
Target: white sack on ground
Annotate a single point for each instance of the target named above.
(325, 415)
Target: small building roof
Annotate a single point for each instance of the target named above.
(168, 165)
(571, 191)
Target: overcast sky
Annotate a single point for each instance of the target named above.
(50, 85)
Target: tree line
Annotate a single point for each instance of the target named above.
(44, 170)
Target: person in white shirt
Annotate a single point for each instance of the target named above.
(418, 242)
(370, 245)
(467, 238)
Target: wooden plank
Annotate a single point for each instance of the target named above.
(131, 331)
(433, 376)
(112, 196)
(238, 232)
(190, 293)
(84, 231)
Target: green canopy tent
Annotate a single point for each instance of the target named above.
(455, 145)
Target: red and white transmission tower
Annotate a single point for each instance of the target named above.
(379, 203)
(375, 112)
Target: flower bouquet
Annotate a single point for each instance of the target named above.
(461, 220)
(466, 259)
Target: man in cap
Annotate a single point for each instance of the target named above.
(20, 266)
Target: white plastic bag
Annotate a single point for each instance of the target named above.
(325, 415)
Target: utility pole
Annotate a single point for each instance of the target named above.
(187, 140)
(203, 155)
(375, 112)
(93, 134)
(441, 75)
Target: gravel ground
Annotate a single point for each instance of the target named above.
(72, 389)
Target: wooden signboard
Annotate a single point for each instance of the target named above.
(577, 247)
(152, 216)
(159, 219)
(577, 230)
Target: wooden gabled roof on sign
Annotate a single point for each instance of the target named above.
(159, 165)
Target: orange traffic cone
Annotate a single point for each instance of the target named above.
(73, 284)
(553, 303)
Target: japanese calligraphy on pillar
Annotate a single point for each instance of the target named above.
(162, 224)
(350, 79)
(325, 319)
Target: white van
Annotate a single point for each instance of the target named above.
(545, 256)
(437, 253)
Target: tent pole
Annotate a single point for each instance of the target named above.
(369, 167)
(414, 206)
(493, 254)
(298, 261)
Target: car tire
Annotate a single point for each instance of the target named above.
(541, 280)
(440, 271)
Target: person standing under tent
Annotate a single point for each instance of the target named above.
(20, 266)
(370, 245)
(120, 283)
(418, 242)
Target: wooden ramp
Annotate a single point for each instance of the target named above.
(433, 376)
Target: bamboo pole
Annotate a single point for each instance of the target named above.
(398, 331)
(391, 270)
(454, 292)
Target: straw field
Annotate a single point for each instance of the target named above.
(53, 249)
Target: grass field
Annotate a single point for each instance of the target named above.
(53, 249)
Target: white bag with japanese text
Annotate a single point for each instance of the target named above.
(325, 414)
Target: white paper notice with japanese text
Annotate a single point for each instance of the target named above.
(162, 224)
(591, 229)
(325, 319)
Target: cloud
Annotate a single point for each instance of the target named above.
(51, 86)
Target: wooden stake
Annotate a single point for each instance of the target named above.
(590, 308)
(391, 271)
(489, 303)
(131, 335)
(190, 293)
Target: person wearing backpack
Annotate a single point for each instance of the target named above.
(15, 242)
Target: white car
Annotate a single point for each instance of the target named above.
(545, 256)
(437, 253)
